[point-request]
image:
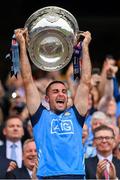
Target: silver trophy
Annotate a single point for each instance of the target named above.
(53, 32)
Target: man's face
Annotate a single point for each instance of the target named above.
(14, 129)
(57, 97)
(96, 123)
(111, 107)
(30, 155)
(104, 142)
(84, 133)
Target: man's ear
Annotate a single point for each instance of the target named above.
(47, 99)
(4, 131)
(23, 156)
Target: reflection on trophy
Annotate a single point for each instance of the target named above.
(53, 32)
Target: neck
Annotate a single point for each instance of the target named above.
(57, 111)
(13, 140)
(105, 154)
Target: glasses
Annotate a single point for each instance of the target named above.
(107, 138)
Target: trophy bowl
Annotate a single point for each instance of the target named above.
(52, 33)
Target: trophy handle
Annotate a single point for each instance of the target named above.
(79, 37)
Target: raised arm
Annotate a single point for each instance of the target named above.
(32, 93)
(83, 90)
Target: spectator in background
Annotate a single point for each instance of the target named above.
(102, 93)
(108, 87)
(29, 162)
(118, 122)
(18, 108)
(84, 138)
(107, 102)
(111, 110)
(98, 118)
(17, 104)
(29, 128)
(104, 139)
(95, 81)
(116, 151)
(108, 69)
(13, 83)
(13, 132)
(84, 133)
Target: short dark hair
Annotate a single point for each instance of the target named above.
(103, 127)
(109, 56)
(53, 82)
(12, 117)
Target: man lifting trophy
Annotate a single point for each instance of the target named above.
(51, 37)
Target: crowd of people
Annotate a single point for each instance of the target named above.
(54, 127)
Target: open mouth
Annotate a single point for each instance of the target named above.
(60, 101)
(32, 159)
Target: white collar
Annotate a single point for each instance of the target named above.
(9, 143)
(108, 157)
(30, 172)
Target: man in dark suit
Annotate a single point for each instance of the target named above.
(29, 162)
(6, 165)
(13, 132)
(104, 163)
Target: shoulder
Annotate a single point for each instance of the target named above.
(3, 146)
(35, 117)
(91, 159)
(3, 150)
(115, 159)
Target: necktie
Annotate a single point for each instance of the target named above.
(106, 174)
(13, 152)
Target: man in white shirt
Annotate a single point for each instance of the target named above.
(13, 132)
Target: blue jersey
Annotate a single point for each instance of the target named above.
(58, 140)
